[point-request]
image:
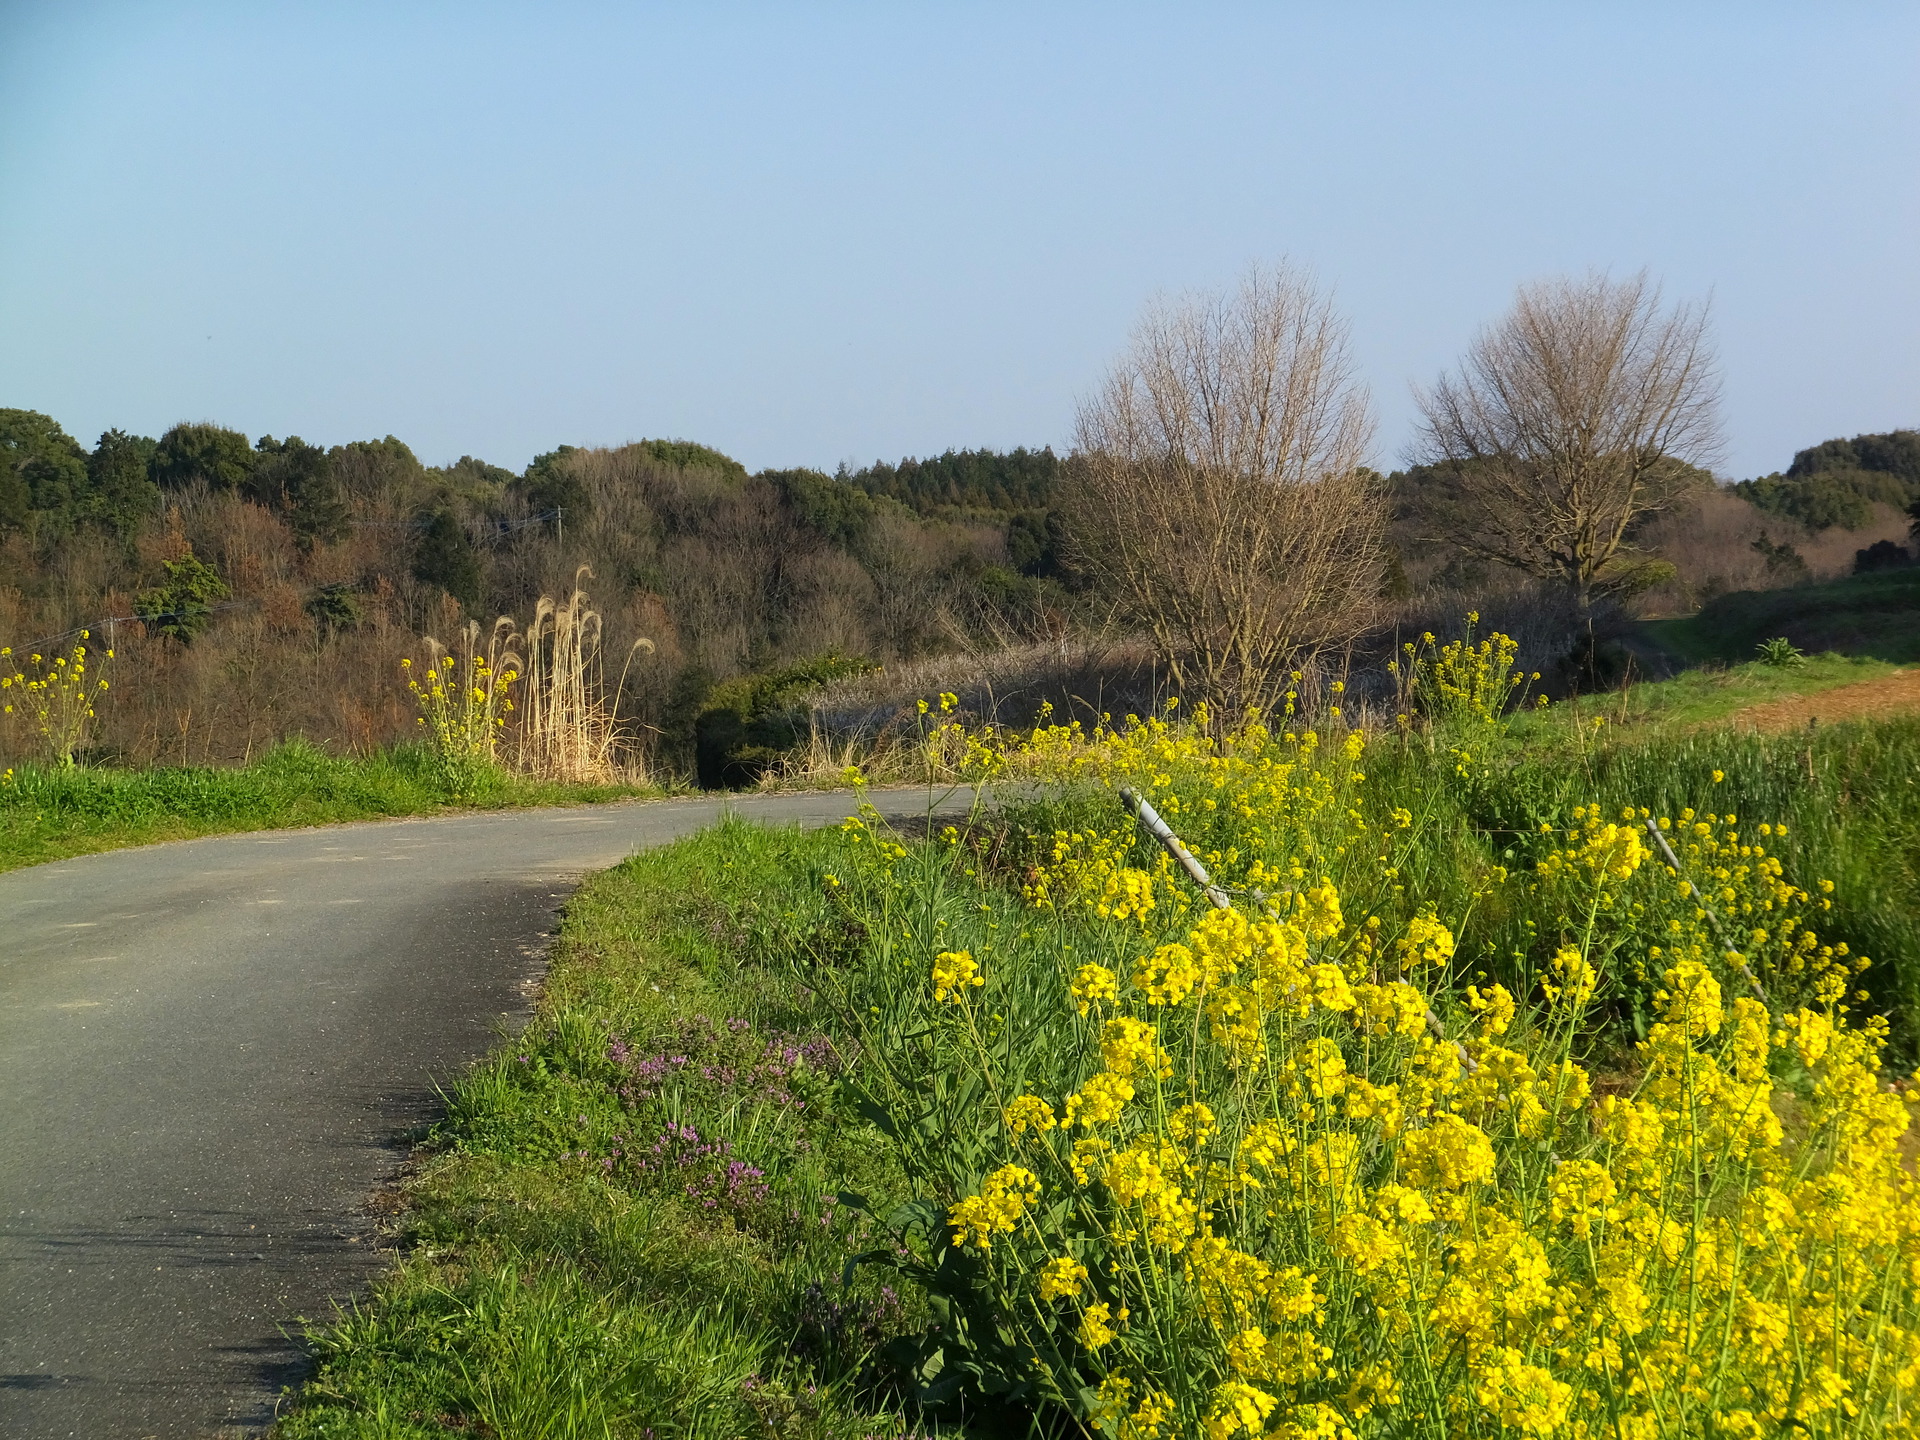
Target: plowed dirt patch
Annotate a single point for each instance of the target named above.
(1895, 694)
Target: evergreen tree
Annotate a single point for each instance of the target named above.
(123, 492)
(296, 480)
(444, 556)
(182, 604)
(220, 458)
(44, 461)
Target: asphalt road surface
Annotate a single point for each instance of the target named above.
(212, 1053)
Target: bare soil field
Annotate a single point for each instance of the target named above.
(1878, 699)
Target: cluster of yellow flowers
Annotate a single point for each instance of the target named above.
(1729, 907)
(1236, 1177)
(1091, 869)
(1264, 810)
(464, 706)
(953, 972)
(57, 699)
(1463, 680)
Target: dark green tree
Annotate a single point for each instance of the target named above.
(686, 455)
(44, 460)
(1019, 479)
(444, 556)
(334, 608)
(220, 458)
(550, 484)
(385, 468)
(182, 604)
(1783, 561)
(1036, 541)
(1881, 555)
(836, 512)
(474, 479)
(16, 500)
(296, 480)
(123, 492)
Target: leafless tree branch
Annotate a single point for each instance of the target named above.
(1217, 487)
(1585, 410)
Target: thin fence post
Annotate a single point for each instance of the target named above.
(1144, 812)
(1673, 864)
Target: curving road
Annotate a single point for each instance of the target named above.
(211, 1054)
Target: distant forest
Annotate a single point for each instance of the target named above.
(276, 583)
(1018, 479)
(1838, 482)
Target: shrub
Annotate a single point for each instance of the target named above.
(1881, 555)
(745, 725)
(182, 604)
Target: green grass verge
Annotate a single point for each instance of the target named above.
(627, 1223)
(1874, 616)
(51, 814)
(1695, 697)
(1848, 794)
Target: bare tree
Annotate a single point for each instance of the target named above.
(1217, 490)
(1580, 414)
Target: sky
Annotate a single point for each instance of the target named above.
(809, 234)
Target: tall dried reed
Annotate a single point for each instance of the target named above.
(571, 729)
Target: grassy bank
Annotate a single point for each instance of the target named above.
(1875, 616)
(637, 1217)
(628, 1223)
(1701, 696)
(50, 814)
(1848, 797)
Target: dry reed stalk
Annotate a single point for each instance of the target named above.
(570, 726)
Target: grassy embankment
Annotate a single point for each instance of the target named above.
(51, 813)
(583, 1252)
(1870, 616)
(628, 1218)
(1701, 696)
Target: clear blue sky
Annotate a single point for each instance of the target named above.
(813, 233)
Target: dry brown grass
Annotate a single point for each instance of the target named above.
(570, 726)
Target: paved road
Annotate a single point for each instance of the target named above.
(210, 1055)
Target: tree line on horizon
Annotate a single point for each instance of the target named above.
(1235, 533)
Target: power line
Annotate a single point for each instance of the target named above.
(39, 646)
